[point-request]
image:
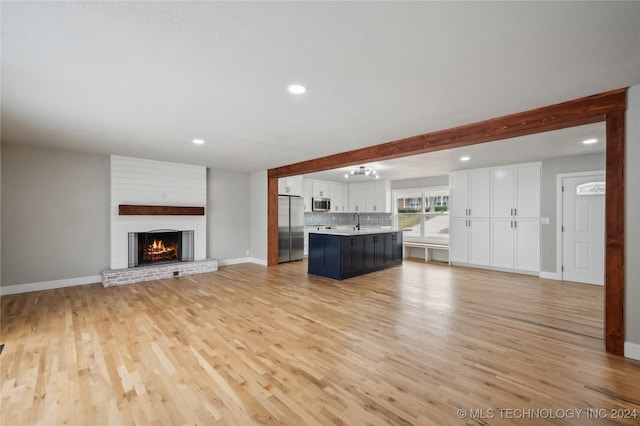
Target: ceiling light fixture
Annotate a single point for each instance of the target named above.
(198, 141)
(297, 89)
(589, 141)
(465, 158)
(363, 171)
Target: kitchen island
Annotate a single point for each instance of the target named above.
(344, 254)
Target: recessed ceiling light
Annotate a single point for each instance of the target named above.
(589, 141)
(465, 158)
(297, 89)
(198, 141)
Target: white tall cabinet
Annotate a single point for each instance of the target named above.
(515, 217)
(469, 226)
(495, 217)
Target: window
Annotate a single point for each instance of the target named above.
(591, 188)
(423, 213)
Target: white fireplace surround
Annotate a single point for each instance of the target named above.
(147, 182)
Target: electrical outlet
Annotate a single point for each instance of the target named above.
(247, 252)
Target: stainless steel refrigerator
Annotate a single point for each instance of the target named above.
(290, 228)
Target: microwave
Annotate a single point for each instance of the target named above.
(321, 204)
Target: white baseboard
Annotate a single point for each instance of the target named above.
(48, 285)
(238, 260)
(632, 350)
(235, 261)
(551, 275)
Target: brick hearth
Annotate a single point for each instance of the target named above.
(114, 277)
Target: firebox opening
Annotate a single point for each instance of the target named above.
(161, 246)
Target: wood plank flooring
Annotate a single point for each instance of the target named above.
(253, 345)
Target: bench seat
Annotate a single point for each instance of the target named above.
(427, 246)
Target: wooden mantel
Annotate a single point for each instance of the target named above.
(142, 210)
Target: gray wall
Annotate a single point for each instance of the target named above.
(228, 215)
(420, 182)
(258, 208)
(632, 220)
(548, 193)
(0, 214)
(55, 214)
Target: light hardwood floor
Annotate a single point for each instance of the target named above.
(256, 345)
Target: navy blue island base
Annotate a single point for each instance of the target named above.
(346, 254)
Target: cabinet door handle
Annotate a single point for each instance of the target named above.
(511, 224)
(511, 212)
(515, 212)
(515, 223)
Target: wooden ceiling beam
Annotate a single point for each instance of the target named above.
(590, 109)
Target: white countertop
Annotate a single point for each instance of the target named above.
(352, 232)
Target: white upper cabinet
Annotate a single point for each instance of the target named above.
(516, 191)
(357, 197)
(321, 189)
(339, 197)
(370, 197)
(382, 197)
(291, 185)
(528, 191)
(458, 194)
(307, 194)
(469, 194)
(502, 181)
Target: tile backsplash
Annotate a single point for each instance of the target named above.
(346, 219)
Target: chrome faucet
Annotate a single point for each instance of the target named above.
(356, 217)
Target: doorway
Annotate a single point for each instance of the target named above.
(609, 107)
(583, 233)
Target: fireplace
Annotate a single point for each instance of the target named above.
(160, 246)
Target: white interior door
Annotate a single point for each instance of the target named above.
(583, 235)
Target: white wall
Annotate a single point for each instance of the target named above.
(228, 216)
(420, 182)
(632, 225)
(258, 208)
(54, 217)
(147, 182)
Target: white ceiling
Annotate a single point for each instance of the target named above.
(144, 78)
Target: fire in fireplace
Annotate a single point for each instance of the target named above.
(161, 246)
